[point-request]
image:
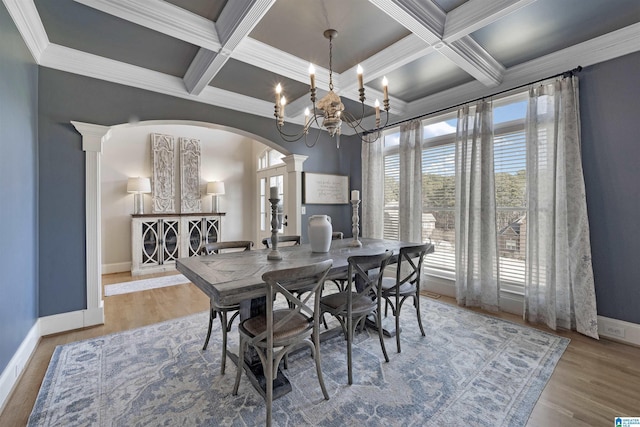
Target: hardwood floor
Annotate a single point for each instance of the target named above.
(594, 381)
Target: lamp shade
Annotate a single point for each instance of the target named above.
(139, 185)
(215, 187)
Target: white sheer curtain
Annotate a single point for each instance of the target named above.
(372, 189)
(477, 281)
(410, 197)
(559, 287)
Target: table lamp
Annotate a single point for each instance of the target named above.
(215, 188)
(138, 186)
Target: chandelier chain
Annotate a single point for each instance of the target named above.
(330, 63)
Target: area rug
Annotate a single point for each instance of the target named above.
(470, 369)
(144, 284)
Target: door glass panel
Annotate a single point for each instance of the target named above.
(278, 181)
(263, 205)
(150, 242)
(170, 240)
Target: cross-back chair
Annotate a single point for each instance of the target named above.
(294, 239)
(351, 307)
(278, 332)
(406, 284)
(215, 307)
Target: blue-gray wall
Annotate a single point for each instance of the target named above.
(42, 178)
(65, 97)
(610, 122)
(18, 189)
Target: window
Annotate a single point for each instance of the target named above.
(270, 157)
(438, 188)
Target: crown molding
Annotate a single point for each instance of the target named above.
(475, 14)
(422, 18)
(236, 21)
(86, 64)
(604, 48)
(163, 17)
(27, 20)
(389, 59)
(82, 63)
(258, 54)
(238, 18)
(467, 54)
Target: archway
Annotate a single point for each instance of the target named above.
(93, 138)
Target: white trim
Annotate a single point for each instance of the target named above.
(513, 303)
(116, 267)
(163, 17)
(62, 322)
(631, 330)
(12, 372)
(93, 137)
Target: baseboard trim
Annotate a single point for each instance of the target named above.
(118, 267)
(13, 371)
(64, 322)
(619, 330)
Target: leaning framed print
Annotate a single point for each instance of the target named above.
(325, 189)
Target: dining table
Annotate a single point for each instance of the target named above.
(236, 278)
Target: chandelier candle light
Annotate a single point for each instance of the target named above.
(355, 219)
(331, 109)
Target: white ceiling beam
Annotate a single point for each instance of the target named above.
(471, 57)
(464, 52)
(163, 17)
(86, 64)
(604, 48)
(236, 21)
(422, 18)
(384, 62)
(27, 20)
(475, 14)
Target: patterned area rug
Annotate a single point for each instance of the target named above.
(470, 369)
(144, 284)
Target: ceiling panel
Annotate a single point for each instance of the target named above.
(252, 81)
(428, 75)
(209, 9)
(297, 27)
(80, 27)
(545, 26)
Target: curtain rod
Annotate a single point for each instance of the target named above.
(563, 74)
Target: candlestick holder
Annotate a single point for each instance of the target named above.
(355, 219)
(274, 254)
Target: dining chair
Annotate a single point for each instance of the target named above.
(276, 333)
(395, 290)
(215, 307)
(339, 279)
(352, 307)
(294, 239)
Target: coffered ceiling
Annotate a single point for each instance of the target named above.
(232, 53)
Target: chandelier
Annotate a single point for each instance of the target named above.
(330, 109)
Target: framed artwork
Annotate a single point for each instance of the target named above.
(325, 189)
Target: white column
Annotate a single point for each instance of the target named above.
(293, 199)
(92, 138)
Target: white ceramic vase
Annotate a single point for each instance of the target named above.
(319, 231)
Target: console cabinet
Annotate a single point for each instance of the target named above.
(158, 240)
